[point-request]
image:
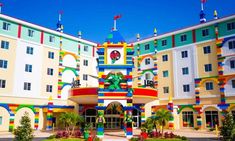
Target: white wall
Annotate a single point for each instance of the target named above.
(225, 49)
(229, 91)
(227, 68)
(149, 66)
(179, 78)
(20, 76)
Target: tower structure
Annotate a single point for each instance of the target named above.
(115, 78)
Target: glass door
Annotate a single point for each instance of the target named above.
(136, 121)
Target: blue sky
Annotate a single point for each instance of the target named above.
(95, 17)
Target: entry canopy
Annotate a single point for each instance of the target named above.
(90, 95)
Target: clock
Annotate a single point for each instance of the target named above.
(115, 55)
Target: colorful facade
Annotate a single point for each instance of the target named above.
(190, 72)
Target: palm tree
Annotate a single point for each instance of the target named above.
(163, 116)
(70, 121)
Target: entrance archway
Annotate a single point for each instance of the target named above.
(114, 116)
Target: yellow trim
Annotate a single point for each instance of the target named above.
(124, 47)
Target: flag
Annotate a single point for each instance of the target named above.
(117, 17)
(1, 4)
(203, 1)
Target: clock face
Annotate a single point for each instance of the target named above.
(115, 55)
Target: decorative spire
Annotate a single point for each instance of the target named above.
(115, 21)
(215, 15)
(79, 34)
(50, 100)
(1, 5)
(202, 14)
(138, 37)
(155, 32)
(59, 25)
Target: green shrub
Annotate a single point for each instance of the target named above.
(51, 137)
(183, 138)
(24, 132)
(196, 128)
(228, 127)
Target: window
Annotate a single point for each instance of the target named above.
(185, 71)
(165, 58)
(184, 54)
(85, 62)
(29, 50)
(231, 44)
(208, 67)
(51, 38)
(2, 83)
(30, 33)
(165, 90)
(164, 42)
(0, 120)
(3, 64)
(6, 26)
(230, 26)
(209, 86)
(49, 88)
(28, 68)
(49, 71)
(212, 119)
(207, 49)
(186, 88)
(205, 32)
(27, 86)
(188, 119)
(165, 73)
(86, 48)
(147, 61)
(147, 76)
(146, 47)
(51, 55)
(233, 84)
(85, 77)
(183, 38)
(232, 64)
(5, 44)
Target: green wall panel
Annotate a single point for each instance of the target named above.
(211, 35)
(55, 44)
(36, 35)
(167, 46)
(150, 50)
(188, 41)
(13, 28)
(223, 28)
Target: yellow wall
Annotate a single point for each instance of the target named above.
(48, 79)
(204, 92)
(8, 74)
(210, 58)
(165, 81)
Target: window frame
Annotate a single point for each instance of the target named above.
(183, 38)
(29, 50)
(207, 68)
(5, 44)
(230, 26)
(207, 49)
(209, 86)
(6, 26)
(27, 86)
(147, 61)
(166, 90)
(232, 43)
(3, 64)
(30, 33)
(186, 88)
(49, 88)
(50, 71)
(51, 38)
(146, 47)
(183, 71)
(233, 84)
(85, 77)
(51, 55)
(2, 83)
(85, 48)
(184, 54)
(165, 73)
(164, 58)
(28, 68)
(205, 32)
(85, 62)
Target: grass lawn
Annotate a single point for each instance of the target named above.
(163, 139)
(70, 139)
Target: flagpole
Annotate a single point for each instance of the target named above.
(115, 25)
(202, 6)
